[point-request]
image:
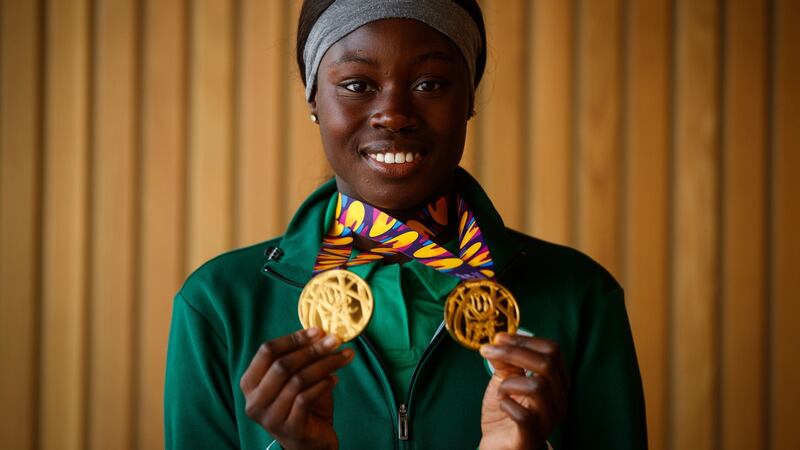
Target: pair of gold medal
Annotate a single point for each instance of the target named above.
(341, 303)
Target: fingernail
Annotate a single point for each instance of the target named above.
(313, 332)
(503, 338)
(348, 353)
(330, 341)
(490, 350)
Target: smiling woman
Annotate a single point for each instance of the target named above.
(335, 335)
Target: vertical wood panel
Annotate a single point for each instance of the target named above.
(599, 131)
(211, 130)
(114, 238)
(468, 159)
(695, 221)
(306, 166)
(20, 178)
(743, 388)
(64, 374)
(785, 369)
(646, 220)
(162, 219)
(262, 87)
(549, 214)
(502, 137)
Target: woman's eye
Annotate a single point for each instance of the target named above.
(428, 86)
(357, 86)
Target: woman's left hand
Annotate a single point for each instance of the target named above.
(520, 411)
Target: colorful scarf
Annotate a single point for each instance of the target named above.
(412, 239)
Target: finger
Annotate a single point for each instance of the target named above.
(306, 378)
(301, 409)
(283, 368)
(505, 357)
(527, 421)
(546, 347)
(270, 351)
(534, 393)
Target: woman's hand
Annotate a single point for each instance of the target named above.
(288, 388)
(520, 411)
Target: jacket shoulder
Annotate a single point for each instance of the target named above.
(228, 272)
(560, 266)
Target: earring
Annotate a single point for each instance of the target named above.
(314, 118)
(471, 114)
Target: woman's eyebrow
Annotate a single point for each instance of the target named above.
(436, 54)
(353, 57)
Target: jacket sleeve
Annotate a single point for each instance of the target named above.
(606, 409)
(198, 398)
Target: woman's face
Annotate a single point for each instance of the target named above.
(392, 100)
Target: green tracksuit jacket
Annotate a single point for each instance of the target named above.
(236, 301)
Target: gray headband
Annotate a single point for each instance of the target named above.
(345, 16)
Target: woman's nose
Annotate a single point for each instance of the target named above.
(393, 111)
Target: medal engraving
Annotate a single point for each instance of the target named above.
(337, 301)
(476, 310)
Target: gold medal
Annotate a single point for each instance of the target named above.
(476, 310)
(337, 301)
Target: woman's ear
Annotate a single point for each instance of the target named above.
(312, 106)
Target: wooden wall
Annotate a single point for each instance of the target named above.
(139, 138)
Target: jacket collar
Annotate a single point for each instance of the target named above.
(304, 234)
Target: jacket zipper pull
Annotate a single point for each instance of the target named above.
(402, 426)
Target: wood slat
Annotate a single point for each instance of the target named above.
(647, 154)
(599, 118)
(263, 39)
(785, 252)
(502, 115)
(114, 235)
(162, 219)
(744, 384)
(695, 370)
(306, 165)
(471, 146)
(549, 169)
(211, 138)
(20, 220)
(66, 228)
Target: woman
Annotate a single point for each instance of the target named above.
(391, 85)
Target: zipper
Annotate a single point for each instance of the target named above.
(402, 420)
(282, 277)
(402, 414)
(402, 423)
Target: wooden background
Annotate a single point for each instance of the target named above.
(139, 138)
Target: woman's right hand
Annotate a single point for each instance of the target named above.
(288, 388)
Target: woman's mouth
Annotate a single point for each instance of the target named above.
(395, 157)
(395, 164)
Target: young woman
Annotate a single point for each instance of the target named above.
(391, 84)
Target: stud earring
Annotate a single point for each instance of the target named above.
(471, 114)
(314, 118)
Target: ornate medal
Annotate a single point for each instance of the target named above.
(337, 301)
(476, 310)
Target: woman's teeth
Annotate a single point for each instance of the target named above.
(395, 158)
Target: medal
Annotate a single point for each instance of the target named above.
(476, 310)
(340, 302)
(337, 301)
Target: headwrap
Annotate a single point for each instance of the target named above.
(345, 16)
